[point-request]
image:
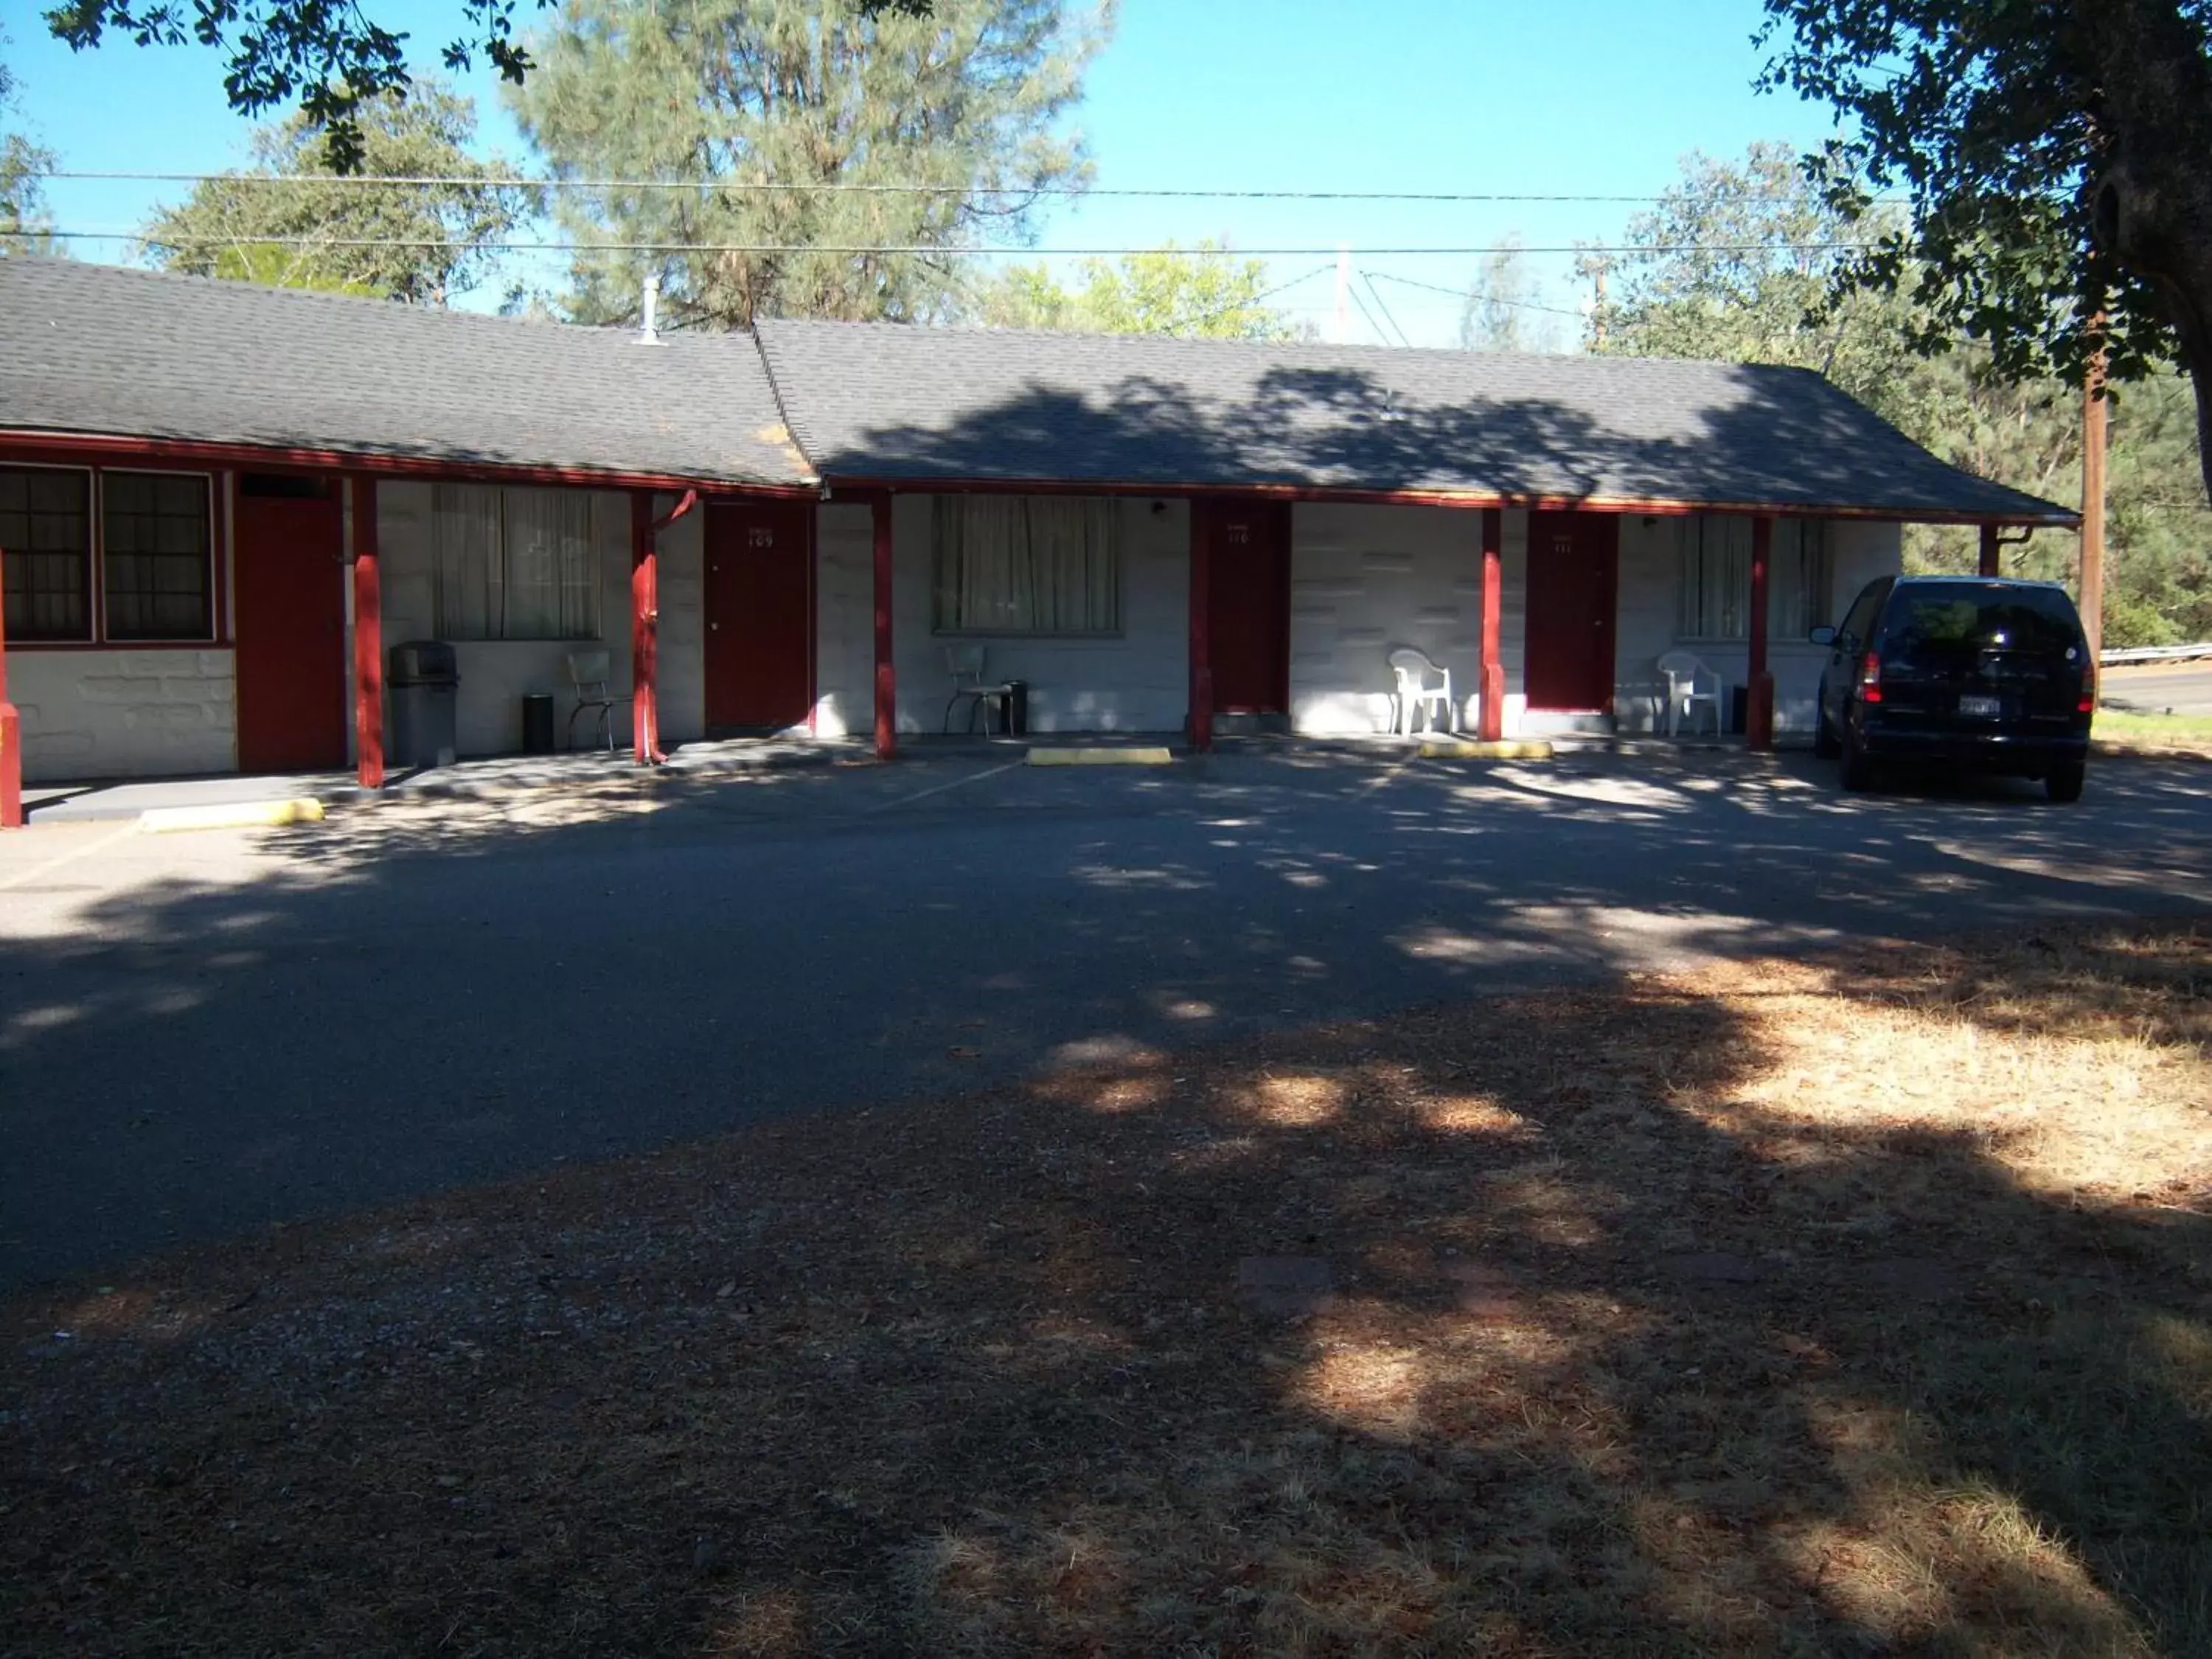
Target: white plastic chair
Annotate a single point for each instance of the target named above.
(587, 681)
(1685, 672)
(965, 663)
(1413, 669)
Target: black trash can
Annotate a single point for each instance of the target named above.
(537, 722)
(1013, 714)
(425, 683)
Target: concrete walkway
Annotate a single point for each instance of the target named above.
(88, 803)
(498, 774)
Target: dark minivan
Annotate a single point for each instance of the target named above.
(1977, 672)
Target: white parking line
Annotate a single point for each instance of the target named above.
(1390, 774)
(22, 877)
(938, 789)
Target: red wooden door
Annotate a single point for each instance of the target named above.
(1573, 562)
(1248, 604)
(288, 573)
(760, 614)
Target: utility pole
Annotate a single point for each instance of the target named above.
(2093, 415)
(1598, 264)
(1343, 294)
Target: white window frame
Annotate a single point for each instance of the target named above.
(97, 633)
(99, 560)
(92, 613)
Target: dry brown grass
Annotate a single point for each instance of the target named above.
(1859, 1306)
(2157, 736)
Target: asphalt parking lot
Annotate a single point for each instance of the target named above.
(206, 1034)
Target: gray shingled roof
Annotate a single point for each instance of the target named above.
(103, 349)
(100, 349)
(897, 402)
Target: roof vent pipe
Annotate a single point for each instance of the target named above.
(645, 334)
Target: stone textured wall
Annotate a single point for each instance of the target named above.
(1366, 580)
(130, 712)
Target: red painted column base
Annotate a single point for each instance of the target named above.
(1490, 718)
(1992, 560)
(1201, 709)
(1758, 720)
(11, 768)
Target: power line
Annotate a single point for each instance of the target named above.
(518, 181)
(857, 249)
(1263, 294)
(1461, 293)
(1375, 296)
(1367, 314)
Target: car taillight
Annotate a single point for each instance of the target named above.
(1871, 679)
(2089, 703)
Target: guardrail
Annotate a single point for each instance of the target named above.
(2155, 653)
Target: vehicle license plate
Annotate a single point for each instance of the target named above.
(1986, 708)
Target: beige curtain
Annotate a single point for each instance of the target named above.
(552, 575)
(464, 527)
(515, 564)
(1027, 564)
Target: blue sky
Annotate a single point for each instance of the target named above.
(1565, 97)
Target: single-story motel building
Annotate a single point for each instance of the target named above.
(220, 504)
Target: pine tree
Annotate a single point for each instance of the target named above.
(745, 103)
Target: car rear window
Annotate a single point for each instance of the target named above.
(1939, 621)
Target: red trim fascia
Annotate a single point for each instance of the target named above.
(98, 450)
(838, 489)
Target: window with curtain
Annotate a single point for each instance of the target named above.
(157, 564)
(514, 563)
(1713, 601)
(46, 530)
(1803, 576)
(1713, 593)
(1027, 564)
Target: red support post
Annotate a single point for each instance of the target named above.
(1989, 561)
(367, 636)
(11, 728)
(1201, 627)
(1490, 718)
(886, 670)
(1760, 719)
(644, 632)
